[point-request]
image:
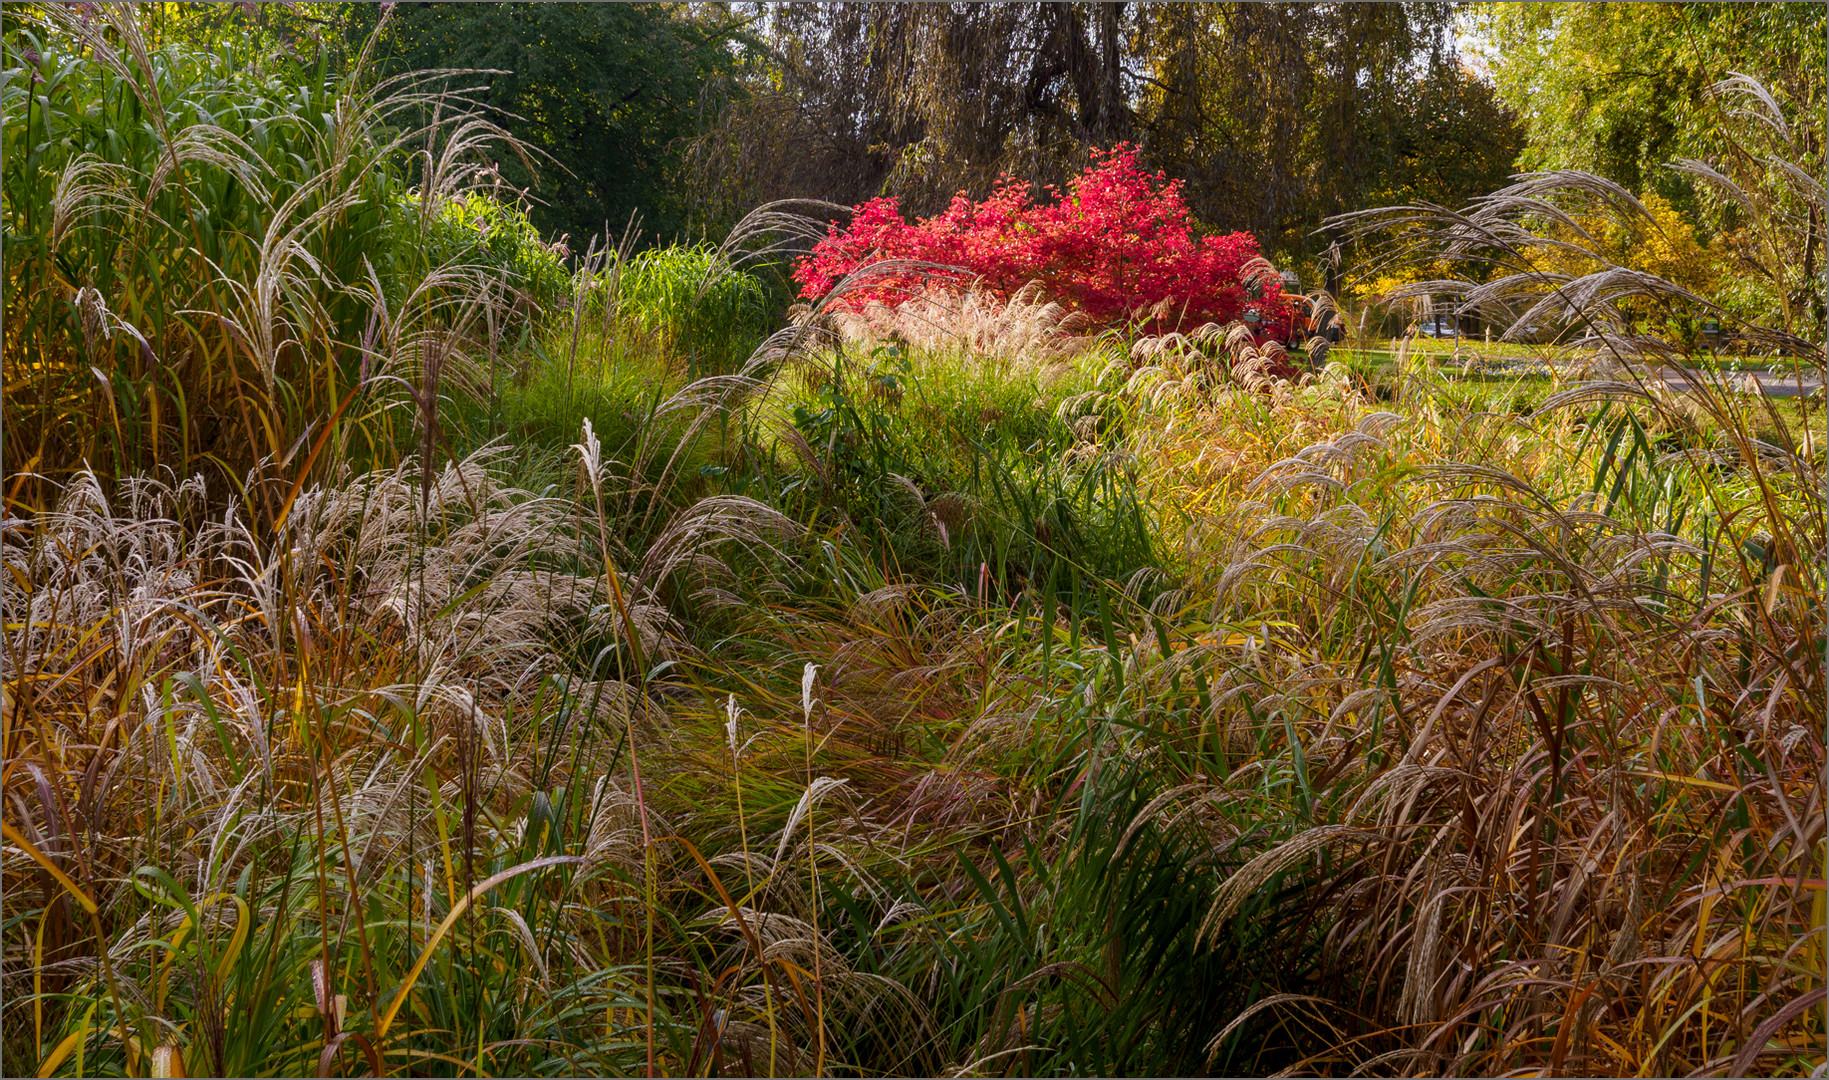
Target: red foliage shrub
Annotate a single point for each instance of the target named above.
(1115, 246)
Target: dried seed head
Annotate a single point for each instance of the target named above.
(590, 455)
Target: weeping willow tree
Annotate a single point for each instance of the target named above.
(921, 100)
(1276, 115)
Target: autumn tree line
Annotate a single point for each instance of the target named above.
(673, 119)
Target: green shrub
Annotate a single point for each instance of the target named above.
(689, 303)
(478, 229)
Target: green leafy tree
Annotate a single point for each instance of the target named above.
(1620, 89)
(605, 93)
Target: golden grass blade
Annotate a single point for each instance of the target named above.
(43, 860)
(62, 1051)
(457, 910)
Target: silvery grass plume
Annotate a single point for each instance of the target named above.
(696, 557)
(255, 670)
(807, 676)
(467, 598)
(1028, 328)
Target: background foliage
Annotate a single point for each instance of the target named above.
(1273, 115)
(1621, 89)
(604, 93)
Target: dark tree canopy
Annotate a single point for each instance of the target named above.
(1279, 115)
(1276, 115)
(921, 100)
(608, 92)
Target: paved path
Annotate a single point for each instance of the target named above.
(1778, 384)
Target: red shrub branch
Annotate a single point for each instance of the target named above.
(1117, 246)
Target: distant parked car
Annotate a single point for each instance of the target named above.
(1436, 326)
